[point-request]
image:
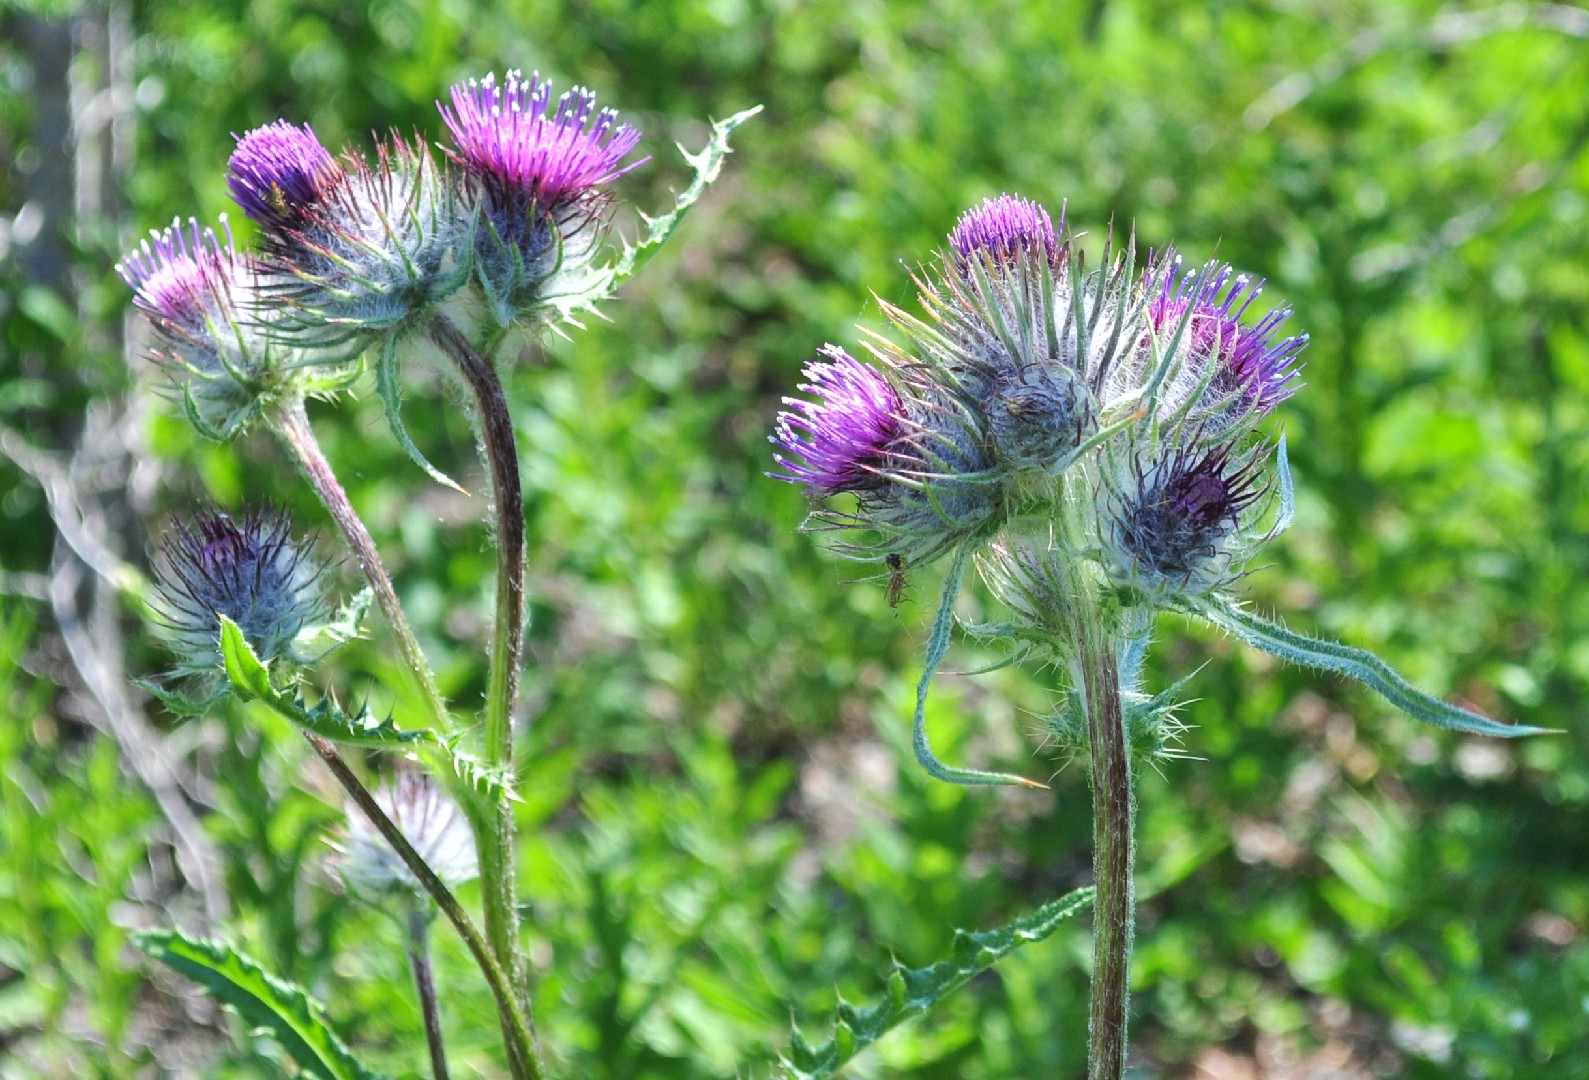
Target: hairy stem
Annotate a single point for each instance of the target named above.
(418, 946)
(523, 1057)
(495, 831)
(1113, 827)
(291, 424)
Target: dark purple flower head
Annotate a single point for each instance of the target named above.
(1006, 228)
(180, 278)
(249, 569)
(1248, 359)
(1184, 507)
(510, 137)
(280, 173)
(840, 442)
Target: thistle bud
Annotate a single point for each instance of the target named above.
(249, 569)
(432, 824)
(1181, 522)
(537, 174)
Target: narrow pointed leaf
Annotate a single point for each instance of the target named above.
(1359, 664)
(912, 991)
(292, 1017)
(937, 646)
(390, 387)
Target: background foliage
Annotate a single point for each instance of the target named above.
(720, 815)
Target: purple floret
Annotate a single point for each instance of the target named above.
(840, 442)
(1005, 228)
(509, 136)
(1266, 371)
(279, 172)
(179, 276)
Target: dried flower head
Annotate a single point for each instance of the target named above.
(1180, 520)
(249, 569)
(428, 819)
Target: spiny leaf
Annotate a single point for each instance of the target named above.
(912, 991)
(1359, 664)
(706, 165)
(250, 681)
(178, 702)
(295, 1019)
(315, 643)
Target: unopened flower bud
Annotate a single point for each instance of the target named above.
(432, 824)
(249, 569)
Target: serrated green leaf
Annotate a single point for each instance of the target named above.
(315, 643)
(706, 165)
(1359, 664)
(292, 1017)
(250, 679)
(912, 991)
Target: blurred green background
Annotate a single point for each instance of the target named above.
(722, 826)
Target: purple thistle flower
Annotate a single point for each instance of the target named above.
(1264, 371)
(509, 136)
(1006, 228)
(181, 279)
(279, 173)
(1183, 509)
(249, 569)
(841, 442)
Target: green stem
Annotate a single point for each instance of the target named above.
(523, 1059)
(495, 827)
(291, 425)
(418, 945)
(1113, 826)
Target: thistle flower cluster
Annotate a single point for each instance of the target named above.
(505, 229)
(1081, 431)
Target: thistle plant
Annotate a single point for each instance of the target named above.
(1099, 442)
(370, 260)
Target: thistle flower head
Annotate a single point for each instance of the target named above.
(428, 819)
(199, 296)
(1242, 365)
(840, 442)
(249, 569)
(1176, 523)
(535, 174)
(279, 173)
(511, 138)
(1005, 229)
(182, 279)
